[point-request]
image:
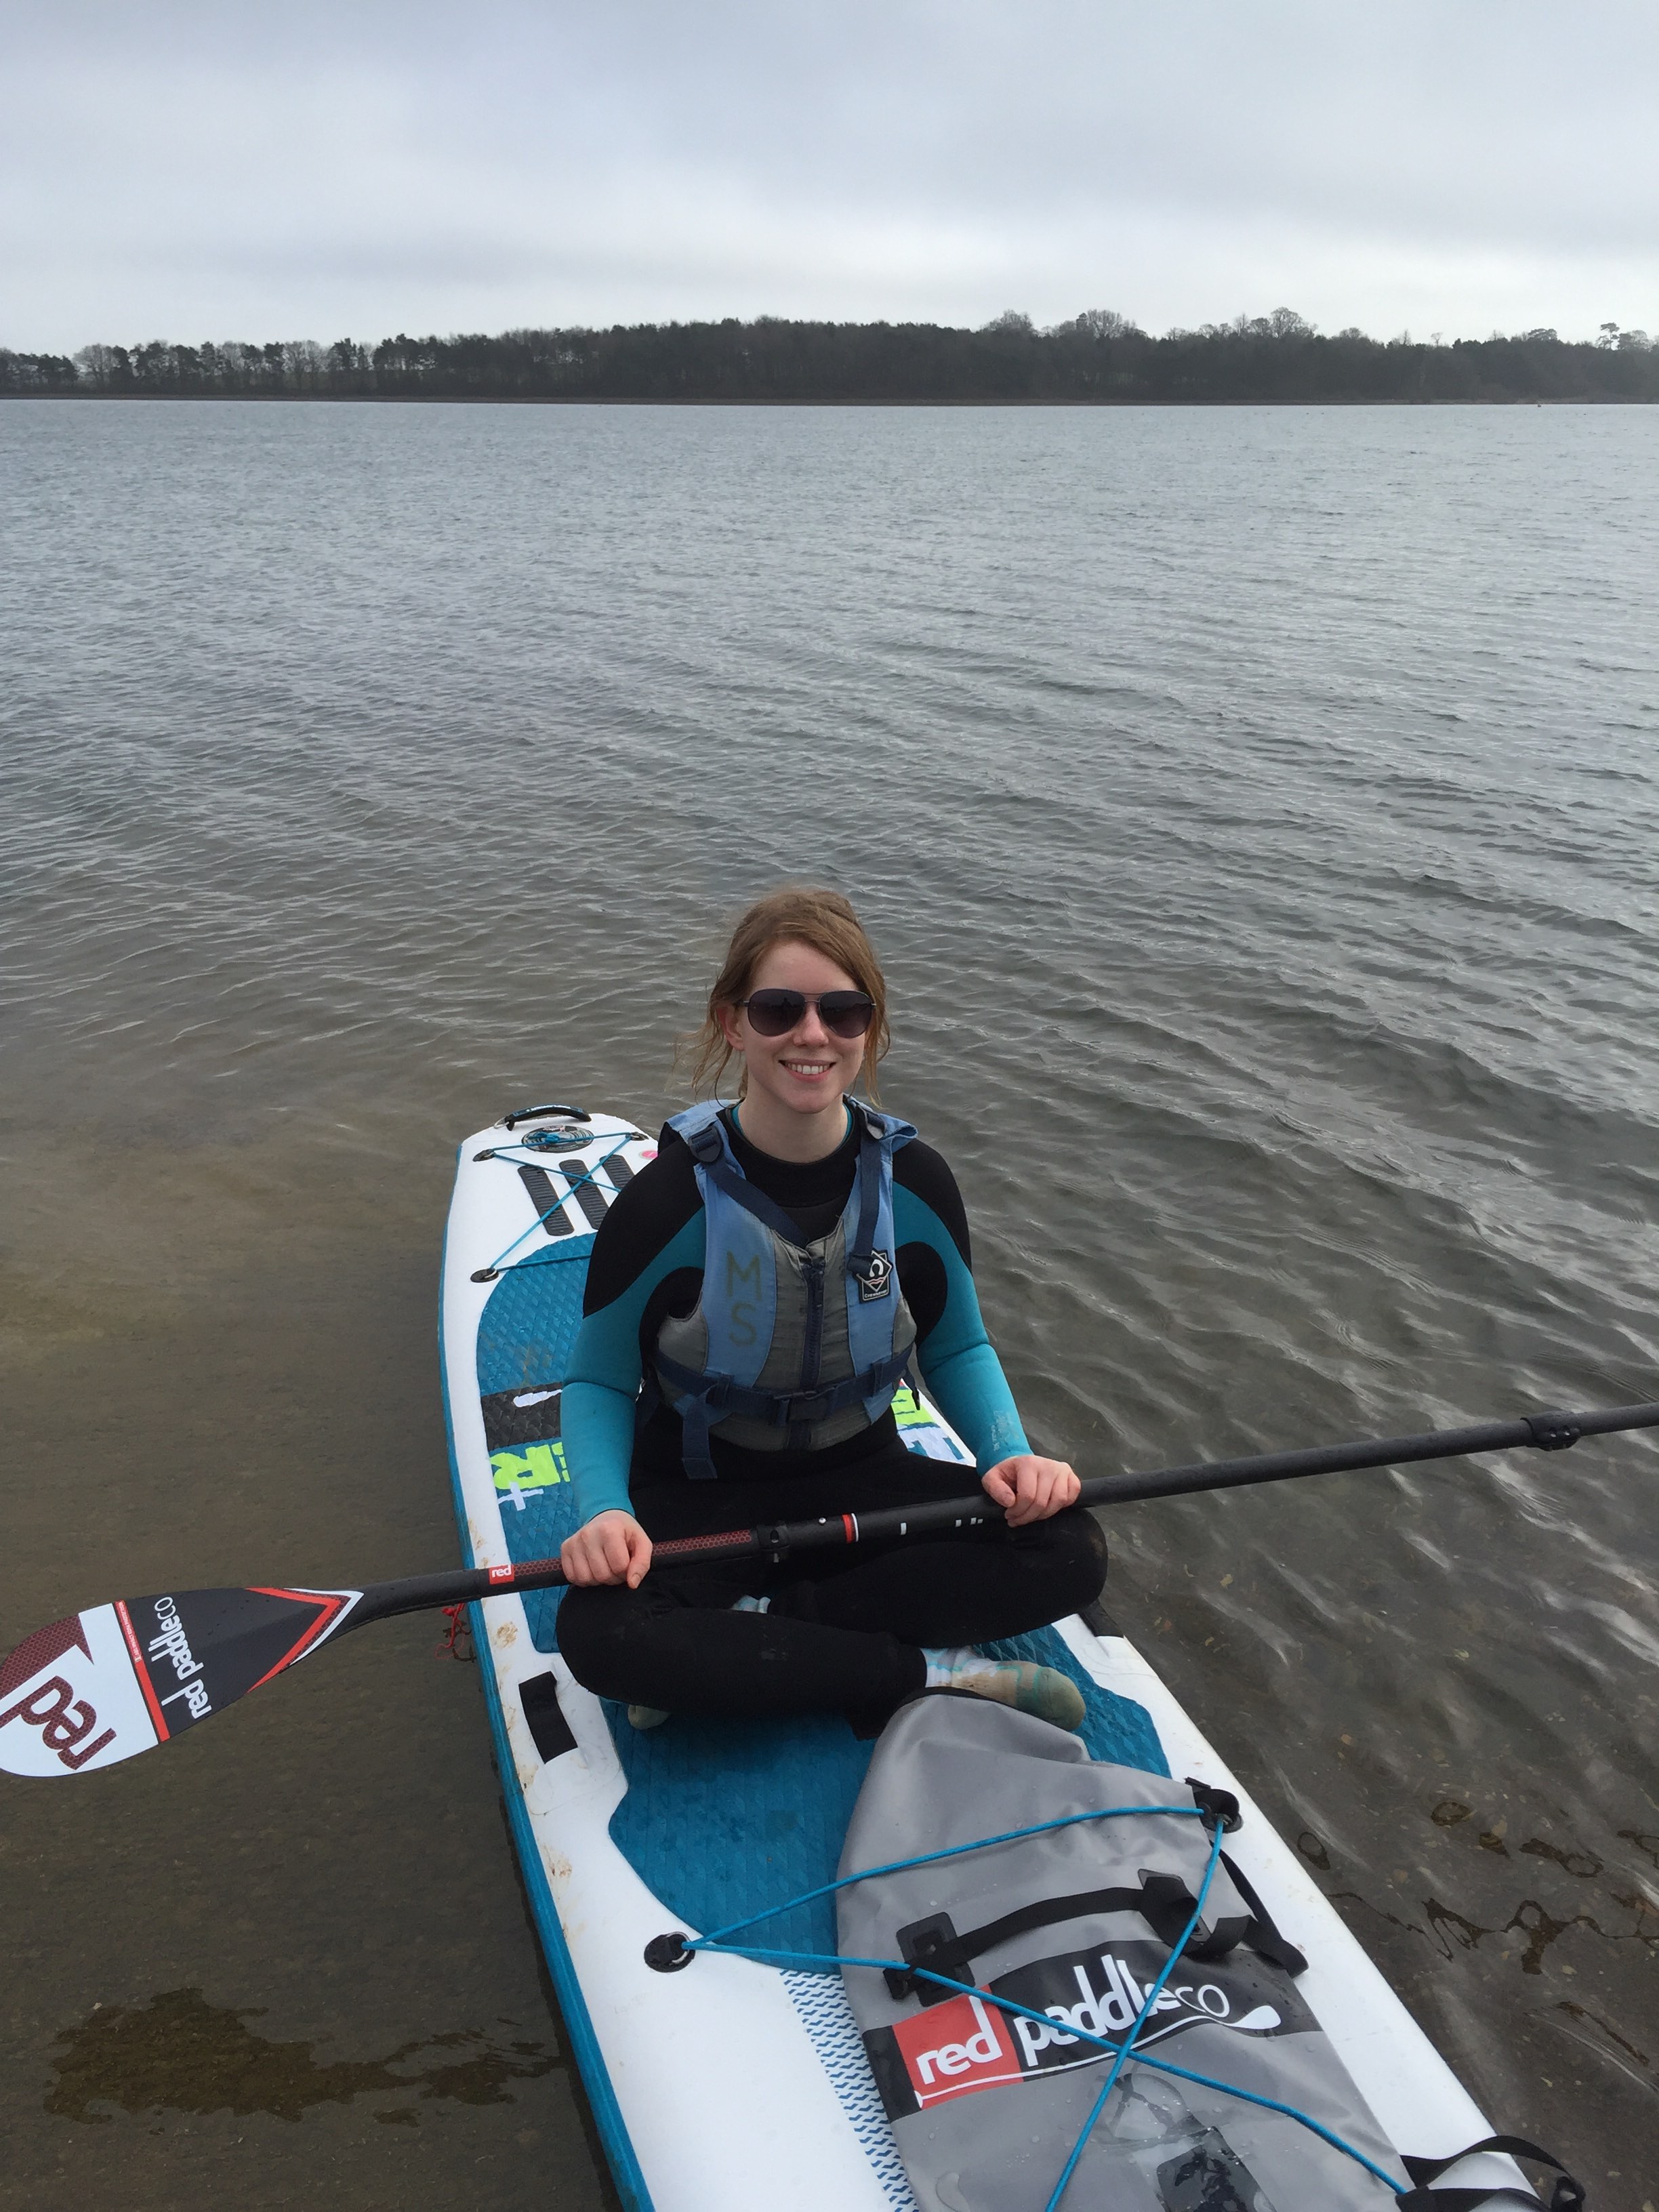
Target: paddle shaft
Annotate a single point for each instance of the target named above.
(1550, 1431)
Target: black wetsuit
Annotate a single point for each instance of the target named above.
(844, 1631)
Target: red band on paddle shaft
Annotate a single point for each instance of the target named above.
(676, 1545)
(850, 1523)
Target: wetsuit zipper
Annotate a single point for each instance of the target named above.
(812, 1358)
(811, 1354)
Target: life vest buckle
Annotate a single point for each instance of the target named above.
(809, 1406)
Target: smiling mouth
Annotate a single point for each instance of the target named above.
(808, 1066)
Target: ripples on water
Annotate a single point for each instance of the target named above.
(1258, 813)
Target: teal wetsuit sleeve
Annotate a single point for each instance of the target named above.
(596, 1414)
(972, 1391)
(596, 1427)
(958, 1363)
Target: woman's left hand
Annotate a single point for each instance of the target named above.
(1031, 1489)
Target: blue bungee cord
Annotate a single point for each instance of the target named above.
(1119, 2052)
(576, 1183)
(1140, 2019)
(929, 1858)
(1042, 2019)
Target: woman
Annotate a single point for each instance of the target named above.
(753, 1297)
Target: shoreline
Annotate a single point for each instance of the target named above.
(594, 399)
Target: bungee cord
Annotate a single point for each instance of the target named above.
(501, 1153)
(1148, 2005)
(1119, 2052)
(930, 1858)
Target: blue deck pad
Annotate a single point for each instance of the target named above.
(525, 1338)
(722, 1817)
(529, 1324)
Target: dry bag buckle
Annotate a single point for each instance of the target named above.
(932, 1943)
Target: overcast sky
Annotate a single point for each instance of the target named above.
(332, 167)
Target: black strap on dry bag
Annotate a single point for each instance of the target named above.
(1567, 2195)
(1162, 1900)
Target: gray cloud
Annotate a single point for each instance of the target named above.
(199, 170)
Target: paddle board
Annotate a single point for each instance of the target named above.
(738, 2085)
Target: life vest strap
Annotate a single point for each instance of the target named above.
(706, 1398)
(708, 1150)
(739, 1188)
(871, 1268)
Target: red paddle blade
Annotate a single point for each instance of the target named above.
(104, 1685)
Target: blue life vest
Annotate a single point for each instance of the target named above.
(791, 1345)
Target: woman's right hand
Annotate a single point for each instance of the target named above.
(611, 1548)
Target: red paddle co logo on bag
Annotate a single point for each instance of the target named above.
(968, 2044)
(954, 2048)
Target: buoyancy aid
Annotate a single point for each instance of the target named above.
(790, 1344)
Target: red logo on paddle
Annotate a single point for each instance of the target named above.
(951, 2048)
(64, 1721)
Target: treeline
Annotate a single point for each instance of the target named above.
(1100, 358)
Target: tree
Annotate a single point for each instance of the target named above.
(1106, 323)
(1098, 356)
(97, 365)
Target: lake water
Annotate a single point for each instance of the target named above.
(1259, 814)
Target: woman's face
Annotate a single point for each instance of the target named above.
(808, 1068)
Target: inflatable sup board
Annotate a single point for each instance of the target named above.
(740, 2086)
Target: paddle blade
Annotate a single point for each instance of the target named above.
(104, 1685)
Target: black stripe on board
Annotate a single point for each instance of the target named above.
(547, 1202)
(617, 1169)
(513, 1418)
(581, 1178)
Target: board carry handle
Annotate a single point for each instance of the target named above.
(510, 1122)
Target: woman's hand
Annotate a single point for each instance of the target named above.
(611, 1548)
(1030, 1488)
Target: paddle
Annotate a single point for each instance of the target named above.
(104, 1685)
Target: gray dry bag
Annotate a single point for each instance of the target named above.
(1073, 1926)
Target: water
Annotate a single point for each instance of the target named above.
(1258, 814)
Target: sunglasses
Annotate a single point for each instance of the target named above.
(774, 1013)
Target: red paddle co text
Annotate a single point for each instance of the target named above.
(65, 1722)
(956, 2047)
(67, 1716)
(173, 1643)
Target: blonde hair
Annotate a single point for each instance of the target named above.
(798, 913)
